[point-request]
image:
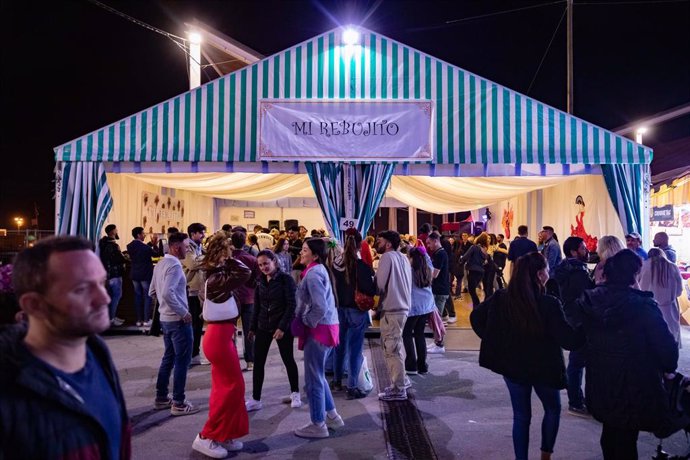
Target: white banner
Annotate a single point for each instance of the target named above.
(345, 130)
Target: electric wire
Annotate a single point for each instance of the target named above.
(534, 78)
(452, 22)
(172, 37)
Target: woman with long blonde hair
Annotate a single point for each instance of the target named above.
(662, 277)
(607, 247)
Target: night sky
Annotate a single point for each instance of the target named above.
(70, 67)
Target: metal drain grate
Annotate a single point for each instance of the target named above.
(403, 426)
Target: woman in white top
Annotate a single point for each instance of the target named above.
(662, 277)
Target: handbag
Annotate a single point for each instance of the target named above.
(363, 301)
(223, 311)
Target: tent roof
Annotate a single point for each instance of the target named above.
(475, 120)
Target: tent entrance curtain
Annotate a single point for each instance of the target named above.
(627, 188)
(349, 190)
(83, 199)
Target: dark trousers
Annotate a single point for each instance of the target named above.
(246, 311)
(488, 280)
(473, 280)
(197, 323)
(414, 343)
(262, 343)
(459, 274)
(576, 366)
(500, 279)
(618, 443)
(449, 307)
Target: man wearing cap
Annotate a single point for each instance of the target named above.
(634, 242)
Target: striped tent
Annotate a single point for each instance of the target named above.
(479, 127)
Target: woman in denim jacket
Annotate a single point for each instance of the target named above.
(316, 327)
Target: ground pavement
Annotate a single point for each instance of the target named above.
(458, 410)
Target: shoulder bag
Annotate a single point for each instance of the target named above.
(223, 311)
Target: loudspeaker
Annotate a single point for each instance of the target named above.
(290, 223)
(273, 224)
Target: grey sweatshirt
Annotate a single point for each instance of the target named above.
(170, 287)
(394, 282)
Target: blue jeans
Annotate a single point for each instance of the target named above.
(576, 364)
(521, 400)
(353, 323)
(318, 392)
(115, 292)
(142, 301)
(177, 338)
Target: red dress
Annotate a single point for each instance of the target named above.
(227, 414)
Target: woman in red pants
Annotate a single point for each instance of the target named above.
(227, 416)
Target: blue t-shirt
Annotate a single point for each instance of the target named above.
(94, 388)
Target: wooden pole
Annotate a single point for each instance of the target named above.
(569, 102)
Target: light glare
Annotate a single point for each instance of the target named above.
(350, 36)
(194, 37)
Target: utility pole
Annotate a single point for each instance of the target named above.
(569, 101)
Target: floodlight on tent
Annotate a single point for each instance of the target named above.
(639, 132)
(194, 37)
(351, 36)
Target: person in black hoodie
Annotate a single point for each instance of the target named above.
(522, 331)
(114, 263)
(140, 255)
(629, 348)
(572, 278)
(274, 309)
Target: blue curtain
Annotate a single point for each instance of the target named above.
(368, 184)
(625, 184)
(83, 199)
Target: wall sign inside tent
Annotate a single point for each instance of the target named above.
(345, 130)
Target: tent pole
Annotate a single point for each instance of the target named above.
(569, 102)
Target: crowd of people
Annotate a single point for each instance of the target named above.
(620, 321)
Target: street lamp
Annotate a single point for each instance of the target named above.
(638, 134)
(19, 221)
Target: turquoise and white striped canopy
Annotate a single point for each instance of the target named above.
(476, 121)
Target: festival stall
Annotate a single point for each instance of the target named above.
(343, 126)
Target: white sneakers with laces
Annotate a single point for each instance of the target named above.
(435, 349)
(209, 447)
(253, 405)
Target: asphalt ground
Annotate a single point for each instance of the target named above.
(464, 411)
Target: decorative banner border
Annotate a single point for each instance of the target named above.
(370, 131)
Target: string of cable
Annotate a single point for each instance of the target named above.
(534, 78)
(180, 42)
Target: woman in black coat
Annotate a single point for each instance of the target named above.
(629, 348)
(522, 331)
(274, 308)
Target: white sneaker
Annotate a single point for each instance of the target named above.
(312, 431)
(295, 400)
(147, 324)
(233, 445)
(209, 447)
(335, 422)
(204, 361)
(253, 405)
(117, 322)
(453, 319)
(436, 349)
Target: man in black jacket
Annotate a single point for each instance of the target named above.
(572, 278)
(629, 349)
(60, 395)
(521, 245)
(114, 263)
